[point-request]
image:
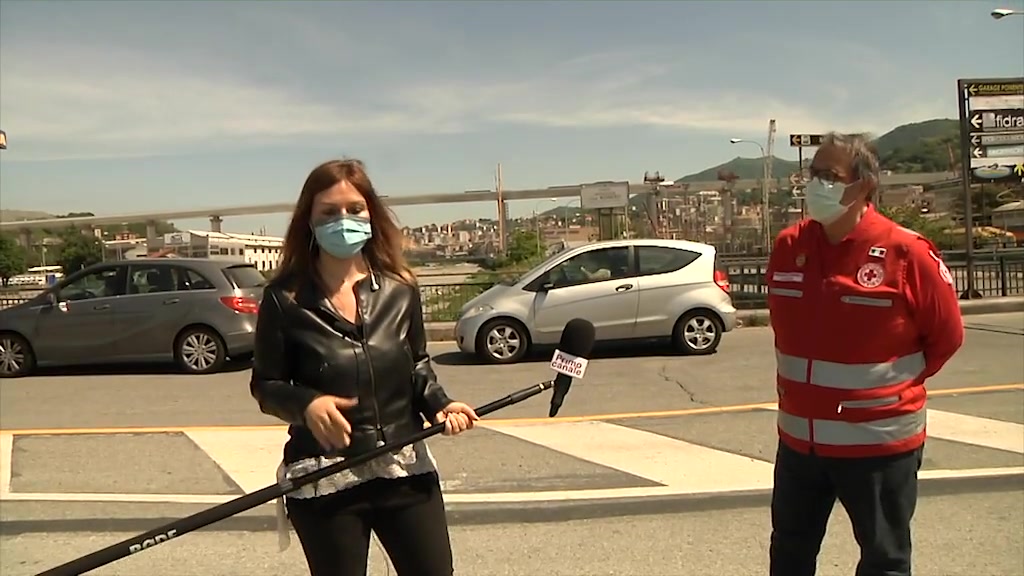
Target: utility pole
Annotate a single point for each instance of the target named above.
(765, 188)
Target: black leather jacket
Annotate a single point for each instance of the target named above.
(304, 349)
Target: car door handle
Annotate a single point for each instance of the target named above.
(101, 307)
(172, 301)
(623, 287)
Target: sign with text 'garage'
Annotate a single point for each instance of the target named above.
(992, 129)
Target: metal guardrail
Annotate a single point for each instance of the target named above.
(1002, 276)
(992, 278)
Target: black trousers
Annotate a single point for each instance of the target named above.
(407, 514)
(879, 495)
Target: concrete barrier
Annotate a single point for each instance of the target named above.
(445, 331)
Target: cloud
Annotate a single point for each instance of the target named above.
(613, 91)
(77, 102)
(63, 105)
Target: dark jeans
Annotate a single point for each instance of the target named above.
(879, 495)
(407, 514)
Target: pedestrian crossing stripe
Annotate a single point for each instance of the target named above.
(249, 457)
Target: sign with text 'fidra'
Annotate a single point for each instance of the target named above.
(992, 130)
(565, 363)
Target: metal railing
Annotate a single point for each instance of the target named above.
(994, 276)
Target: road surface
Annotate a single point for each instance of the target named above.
(987, 541)
(673, 453)
(634, 379)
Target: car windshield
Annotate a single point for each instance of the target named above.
(245, 276)
(545, 264)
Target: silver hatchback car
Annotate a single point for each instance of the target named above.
(197, 312)
(629, 289)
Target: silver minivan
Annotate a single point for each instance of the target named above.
(629, 289)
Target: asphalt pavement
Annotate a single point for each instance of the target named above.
(636, 378)
(955, 535)
(673, 453)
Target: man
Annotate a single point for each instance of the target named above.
(864, 311)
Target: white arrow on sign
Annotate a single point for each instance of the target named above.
(976, 120)
(975, 140)
(977, 153)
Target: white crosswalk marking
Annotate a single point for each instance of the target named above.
(250, 456)
(6, 460)
(977, 431)
(667, 461)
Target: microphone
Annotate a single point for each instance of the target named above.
(569, 359)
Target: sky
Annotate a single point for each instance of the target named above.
(123, 107)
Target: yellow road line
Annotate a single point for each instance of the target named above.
(505, 421)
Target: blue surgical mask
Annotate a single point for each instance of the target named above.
(343, 237)
(824, 200)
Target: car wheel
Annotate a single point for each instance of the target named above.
(502, 342)
(697, 333)
(16, 356)
(200, 350)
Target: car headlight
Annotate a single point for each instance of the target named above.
(474, 310)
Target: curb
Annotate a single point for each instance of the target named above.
(262, 519)
(445, 331)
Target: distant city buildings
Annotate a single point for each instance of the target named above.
(263, 252)
(724, 217)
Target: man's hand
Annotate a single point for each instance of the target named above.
(324, 419)
(457, 418)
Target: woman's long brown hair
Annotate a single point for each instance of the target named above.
(384, 249)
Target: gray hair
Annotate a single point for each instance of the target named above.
(861, 149)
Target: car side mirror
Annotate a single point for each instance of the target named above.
(54, 301)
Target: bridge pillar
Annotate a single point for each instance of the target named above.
(25, 238)
(215, 222)
(150, 233)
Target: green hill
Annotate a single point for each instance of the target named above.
(910, 135)
(745, 169)
(907, 149)
(921, 147)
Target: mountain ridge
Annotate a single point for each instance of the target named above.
(908, 148)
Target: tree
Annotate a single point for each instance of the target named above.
(910, 217)
(926, 155)
(78, 250)
(13, 258)
(524, 246)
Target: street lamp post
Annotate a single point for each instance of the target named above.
(536, 218)
(765, 212)
(1000, 13)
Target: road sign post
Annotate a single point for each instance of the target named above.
(801, 141)
(991, 145)
(607, 198)
(805, 140)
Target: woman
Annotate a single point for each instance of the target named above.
(341, 356)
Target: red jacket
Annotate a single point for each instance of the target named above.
(859, 326)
